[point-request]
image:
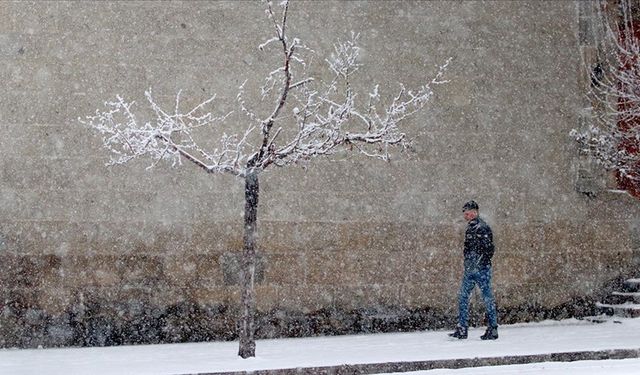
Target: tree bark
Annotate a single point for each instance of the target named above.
(248, 302)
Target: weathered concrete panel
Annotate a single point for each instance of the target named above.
(348, 244)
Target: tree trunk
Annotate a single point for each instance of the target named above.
(248, 303)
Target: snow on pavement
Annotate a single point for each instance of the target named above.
(617, 367)
(521, 339)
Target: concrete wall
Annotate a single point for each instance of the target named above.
(91, 255)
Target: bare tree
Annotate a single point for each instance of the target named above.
(322, 117)
(613, 137)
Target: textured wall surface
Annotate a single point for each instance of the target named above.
(91, 255)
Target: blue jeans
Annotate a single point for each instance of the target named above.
(482, 277)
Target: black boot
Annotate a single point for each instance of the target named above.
(490, 334)
(460, 333)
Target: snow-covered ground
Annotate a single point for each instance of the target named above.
(534, 338)
(612, 367)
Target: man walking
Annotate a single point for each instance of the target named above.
(478, 251)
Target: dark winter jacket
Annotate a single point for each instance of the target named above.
(478, 245)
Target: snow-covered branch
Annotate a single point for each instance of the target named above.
(170, 136)
(308, 116)
(332, 119)
(613, 139)
(345, 58)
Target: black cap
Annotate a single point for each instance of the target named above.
(471, 205)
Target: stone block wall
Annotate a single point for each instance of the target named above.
(91, 255)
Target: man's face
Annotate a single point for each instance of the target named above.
(470, 215)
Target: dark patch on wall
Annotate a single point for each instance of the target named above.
(231, 264)
(99, 323)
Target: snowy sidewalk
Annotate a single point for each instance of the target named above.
(515, 340)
